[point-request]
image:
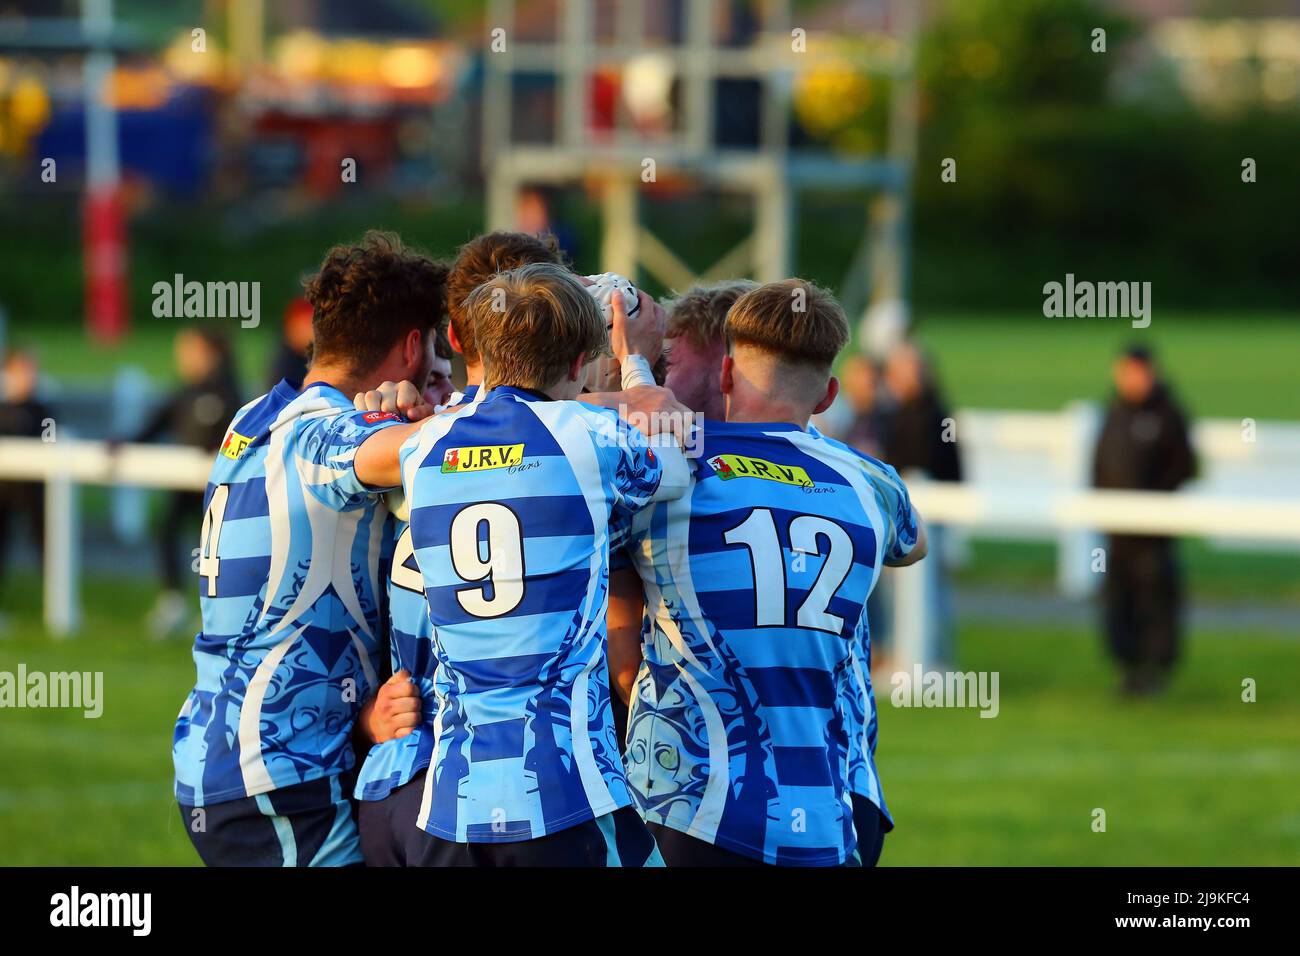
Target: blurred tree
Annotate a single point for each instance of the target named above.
(1054, 174)
(987, 54)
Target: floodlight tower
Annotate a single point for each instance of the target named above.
(616, 161)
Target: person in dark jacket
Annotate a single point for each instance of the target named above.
(920, 436)
(196, 414)
(1144, 445)
(22, 415)
(870, 403)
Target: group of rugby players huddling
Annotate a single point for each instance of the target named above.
(566, 617)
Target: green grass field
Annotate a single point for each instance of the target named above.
(1221, 365)
(1197, 777)
(1211, 574)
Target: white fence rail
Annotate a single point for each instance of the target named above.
(1026, 474)
(64, 465)
(1037, 454)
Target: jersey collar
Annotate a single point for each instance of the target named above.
(527, 394)
(737, 428)
(287, 390)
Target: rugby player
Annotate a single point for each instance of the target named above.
(290, 589)
(739, 747)
(696, 344)
(388, 835)
(511, 497)
(489, 255)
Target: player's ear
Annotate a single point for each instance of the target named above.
(454, 338)
(414, 348)
(832, 390)
(578, 367)
(727, 377)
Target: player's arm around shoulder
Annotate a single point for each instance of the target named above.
(378, 462)
(644, 470)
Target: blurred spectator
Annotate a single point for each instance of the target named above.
(533, 215)
(22, 415)
(196, 414)
(916, 438)
(439, 388)
(1144, 445)
(871, 409)
(921, 439)
(291, 356)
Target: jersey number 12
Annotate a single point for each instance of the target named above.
(758, 534)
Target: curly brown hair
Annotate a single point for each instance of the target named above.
(368, 296)
(481, 259)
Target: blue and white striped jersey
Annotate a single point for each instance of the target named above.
(289, 589)
(511, 500)
(756, 585)
(393, 763)
(858, 705)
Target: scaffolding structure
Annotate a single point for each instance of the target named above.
(773, 175)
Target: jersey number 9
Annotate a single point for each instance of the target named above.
(499, 565)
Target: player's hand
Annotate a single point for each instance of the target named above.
(396, 709)
(654, 411)
(400, 397)
(645, 336)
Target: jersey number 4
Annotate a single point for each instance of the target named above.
(210, 537)
(758, 534)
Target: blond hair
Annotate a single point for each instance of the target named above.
(793, 320)
(531, 323)
(700, 313)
